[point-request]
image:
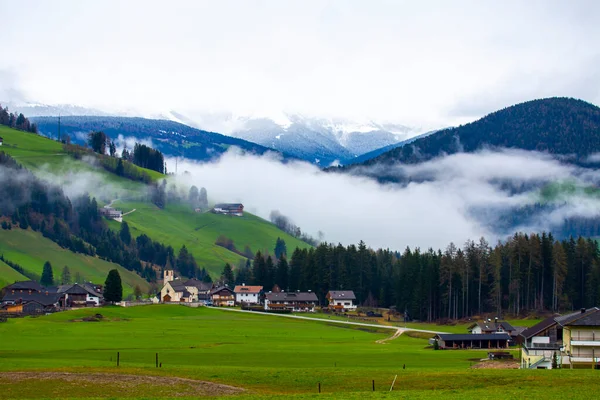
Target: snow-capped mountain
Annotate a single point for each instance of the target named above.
(317, 140)
(30, 109)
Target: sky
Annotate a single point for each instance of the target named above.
(427, 64)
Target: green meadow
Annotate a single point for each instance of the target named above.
(178, 225)
(266, 355)
(31, 250)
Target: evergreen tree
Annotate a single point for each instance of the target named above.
(281, 277)
(65, 277)
(120, 170)
(193, 196)
(125, 234)
(113, 287)
(98, 141)
(227, 275)
(280, 248)
(78, 277)
(203, 199)
(112, 149)
(47, 275)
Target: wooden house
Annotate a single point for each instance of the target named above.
(247, 294)
(293, 301)
(236, 209)
(222, 297)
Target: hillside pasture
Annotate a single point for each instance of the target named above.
(31, 250)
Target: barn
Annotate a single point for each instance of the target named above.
(470, 341)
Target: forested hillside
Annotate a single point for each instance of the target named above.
(527, 273)
(561, 126)
(171, 138)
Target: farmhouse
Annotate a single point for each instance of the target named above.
(247, 294)
(111, 213)
(341, 300)
(24, 287)
(489, 327)
(236, 209)
(1, 141)
(81, 295)
(293, 301)
(222, 297)
(472, 341)
(31, 303)
(572, 339)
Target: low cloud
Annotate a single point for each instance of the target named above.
(442, 203)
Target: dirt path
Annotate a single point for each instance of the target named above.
(121, 383)
(128, 212)
(396, 335)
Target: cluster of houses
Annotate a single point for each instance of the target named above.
(195, 291)
(563, 341)
(29, 297)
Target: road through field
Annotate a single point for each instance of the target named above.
(395, 328)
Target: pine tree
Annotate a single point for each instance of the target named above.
(281, 277)
(227, 275)
(125, 234)
(280, 248)
(65, 277)
(113, 287)
(47, 275)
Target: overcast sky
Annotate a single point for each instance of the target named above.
(419, 63)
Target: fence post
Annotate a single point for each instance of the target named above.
(319, 387)
(373, 384)
(156, 360)
(118, 358)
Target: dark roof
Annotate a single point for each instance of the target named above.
(493, 325)
(41, 298)
(292, 296)
(589, 318)
(26, 285)
(198, 284)
(178, 286)
(220, 289)
(342, 295)
(539, 327)
(229, 205)
(491, 336)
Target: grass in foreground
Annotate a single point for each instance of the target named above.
(268, 356)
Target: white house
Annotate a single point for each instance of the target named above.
(342, 300)
(247, 294)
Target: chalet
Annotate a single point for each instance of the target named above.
(32, 303)
(341, 300)
(294, 301)
(489, 327)
(80, 295)
(236, 209)
(111, 213)
(247, 294)
(24, 287)
(222, 297)
(473, 341)
(573, 340)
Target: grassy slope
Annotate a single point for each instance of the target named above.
(31, 250)
(267, 355)
(9, 275)
(46, 157)
(177, 225)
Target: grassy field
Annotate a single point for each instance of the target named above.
(31, 250)
(268, 356)
(177, 225)
(9, 275)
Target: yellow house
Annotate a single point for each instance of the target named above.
(581, 340)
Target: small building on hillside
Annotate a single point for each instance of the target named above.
(222, 297)
(236, 209)
(293, 301)
(111, 213)
(247, 294)
(341, 300)
(473, 341)
(1, 140)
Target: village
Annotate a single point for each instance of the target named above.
(560, 341)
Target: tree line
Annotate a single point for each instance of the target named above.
(526, 273)
(15, 121)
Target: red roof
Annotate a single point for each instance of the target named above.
(247, 289)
